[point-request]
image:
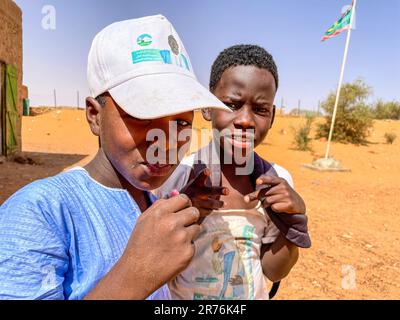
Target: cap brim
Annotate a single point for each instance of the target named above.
(160, 95)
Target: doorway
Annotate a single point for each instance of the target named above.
(2, 108)
(8, 109)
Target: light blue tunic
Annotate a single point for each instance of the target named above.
(60, 235)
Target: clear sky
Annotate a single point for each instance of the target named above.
(289, 29)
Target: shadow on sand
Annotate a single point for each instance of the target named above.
(30, 166)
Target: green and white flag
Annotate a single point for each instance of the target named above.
(342, 24)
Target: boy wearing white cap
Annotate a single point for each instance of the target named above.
(96, 232)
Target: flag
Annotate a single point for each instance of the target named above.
(339, 26)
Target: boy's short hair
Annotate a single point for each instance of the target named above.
(242, 55)
(101, 99)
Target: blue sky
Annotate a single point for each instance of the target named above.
(289, 29)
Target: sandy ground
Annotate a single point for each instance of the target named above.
(353, 216)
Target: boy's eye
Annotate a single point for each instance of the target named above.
(232, 106)
(140, 122)
(183, 123)
(263, 111)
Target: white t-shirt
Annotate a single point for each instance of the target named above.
(226, 264)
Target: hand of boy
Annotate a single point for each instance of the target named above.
(276, 193)
(205, 198)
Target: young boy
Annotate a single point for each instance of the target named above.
(238, 243)
(94, 232)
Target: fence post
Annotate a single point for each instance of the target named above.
(55, 98)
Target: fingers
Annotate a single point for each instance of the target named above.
(269, 180)
(187, 216)
(203, 213)
(280, 202)
(270, 200)
(265, 185)
(211, 204)
(256, 195)
(201, 178)
(279, 189)
(175, 204)
(215, 191)
(251, 196)
(193, 231)
(218, 191)
(280, 207)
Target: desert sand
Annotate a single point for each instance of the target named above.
(354, 217)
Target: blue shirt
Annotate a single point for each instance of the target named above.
(59, 236)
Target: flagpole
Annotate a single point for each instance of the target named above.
(340, 79)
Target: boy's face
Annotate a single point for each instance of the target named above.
(249, 91)
(124, 140)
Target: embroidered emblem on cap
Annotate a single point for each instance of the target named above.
(173, 44)
(144, 40)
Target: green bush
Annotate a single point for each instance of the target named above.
(301, 135)
(309, 113)
(387, 110)
(303, 113)
(353, 117)
(390, 137)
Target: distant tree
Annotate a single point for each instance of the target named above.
(353, 117)
(294, 112)
(303, 113)
(387, 110)
(309, 113)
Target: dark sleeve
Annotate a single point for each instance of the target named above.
(292, 226)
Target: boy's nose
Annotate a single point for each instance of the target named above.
(244, 118)
(168, 142)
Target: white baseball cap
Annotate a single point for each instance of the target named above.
(143, 64)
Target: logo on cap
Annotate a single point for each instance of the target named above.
(173, 44)
(144, 40)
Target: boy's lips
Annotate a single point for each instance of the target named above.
(157, 169)
(242, 141)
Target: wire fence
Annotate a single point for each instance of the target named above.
(76, 99)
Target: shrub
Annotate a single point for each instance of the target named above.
(390, 137)
(353, 116)
(387, 110)
(301, 135)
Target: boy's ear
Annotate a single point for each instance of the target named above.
(93, 109)
(273, 116)
(206, 112)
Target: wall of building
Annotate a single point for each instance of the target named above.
(11, 47)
